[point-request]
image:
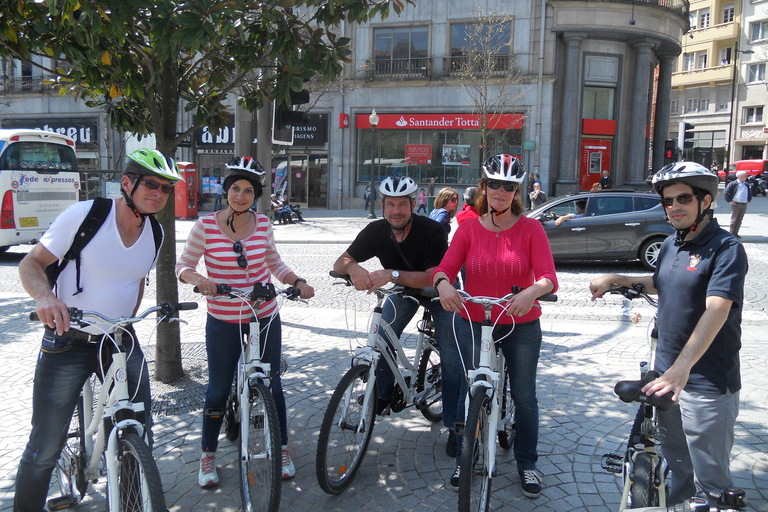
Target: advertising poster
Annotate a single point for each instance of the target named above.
(456, 154)
(418, 154)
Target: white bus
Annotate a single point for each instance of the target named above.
(38, 180)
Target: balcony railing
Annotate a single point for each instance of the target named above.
(24, 85)
(399, 69)
(466, 66)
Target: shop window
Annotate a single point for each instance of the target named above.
(401, 52)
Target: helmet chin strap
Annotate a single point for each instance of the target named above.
(495, 213)
(129, 202)
(231, 217)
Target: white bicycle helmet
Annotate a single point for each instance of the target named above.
(245, 164)
(695, 175)
(504, 167)
(398, 186)
(143, 162)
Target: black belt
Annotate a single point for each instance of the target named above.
(76, 335)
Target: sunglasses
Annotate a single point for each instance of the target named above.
(681, 199)
(153, 185)
(497, 184)
(455, 199)
(242, 261)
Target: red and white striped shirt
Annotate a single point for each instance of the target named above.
(207, 239)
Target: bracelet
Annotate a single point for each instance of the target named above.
(439, 281)
(299, 280)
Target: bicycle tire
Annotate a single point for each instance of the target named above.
(507, 427)
(341, 448)
(138, 480)
(260, 461)
(70, 468)
(475, 479)
(429, 374)
(642, 488)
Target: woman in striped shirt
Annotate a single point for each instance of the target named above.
(238, 247)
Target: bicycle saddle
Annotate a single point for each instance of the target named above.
(629, 391)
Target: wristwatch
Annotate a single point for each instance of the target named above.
(395, 276)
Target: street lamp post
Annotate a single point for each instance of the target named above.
(734, 94)
(374, 120)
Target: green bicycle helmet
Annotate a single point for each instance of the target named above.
(143, 162)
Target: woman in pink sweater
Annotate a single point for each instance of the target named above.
(238, 247)
(501, 249)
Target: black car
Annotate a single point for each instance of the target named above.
(614, 225)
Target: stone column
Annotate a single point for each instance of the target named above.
(663, 102)
(570, 115)
(636, 165)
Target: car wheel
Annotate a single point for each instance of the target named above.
(649, 253)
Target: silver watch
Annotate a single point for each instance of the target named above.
(395, 276)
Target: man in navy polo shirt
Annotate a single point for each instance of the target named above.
(699, 279)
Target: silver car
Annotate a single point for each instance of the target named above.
(605, 225)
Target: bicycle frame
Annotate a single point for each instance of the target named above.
(251, 368)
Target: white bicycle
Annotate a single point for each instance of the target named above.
(110, 435)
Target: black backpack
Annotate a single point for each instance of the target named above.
(88, 228)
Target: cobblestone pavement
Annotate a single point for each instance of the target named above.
(587, 348)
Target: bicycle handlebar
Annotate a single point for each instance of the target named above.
(166, 309)
(405, 290)
(547, 297)
(634, 292)
(261, 291)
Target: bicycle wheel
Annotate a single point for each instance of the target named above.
(70, 468)
(642, 490)
(428, 377)
(475, 479)
(260, 451)
(507, 426)
(345, 432)
(138, 479)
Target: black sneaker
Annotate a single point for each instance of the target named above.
(454, 482)
(382, 406)
(450, 445)
(530, 481)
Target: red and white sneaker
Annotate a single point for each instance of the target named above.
(207, 476)
(289, 470)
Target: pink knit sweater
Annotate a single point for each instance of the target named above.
(495, 262)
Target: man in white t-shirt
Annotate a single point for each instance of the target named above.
(218, 192)
(111, 281)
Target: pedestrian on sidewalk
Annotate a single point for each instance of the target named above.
(422, 202)
(68, 355)
(218, 192)
(249, 260)
(738, 195)
(699, 280)
(445, 205)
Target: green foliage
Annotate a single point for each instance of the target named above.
(141, 59)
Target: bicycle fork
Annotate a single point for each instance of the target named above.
(253, 370)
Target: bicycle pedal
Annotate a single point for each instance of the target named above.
(61, 502)
(612, 462)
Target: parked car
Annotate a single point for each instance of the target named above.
(752, 168)
(616, 225)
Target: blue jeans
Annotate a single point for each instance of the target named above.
(222, 343)
(397, 312)
(521, 351)
(217, 203)
(59, 377)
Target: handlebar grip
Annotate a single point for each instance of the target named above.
(221, 289)
(33, 316)
(333, 273)
(183, 306)
(549, 297)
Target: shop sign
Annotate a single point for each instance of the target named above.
(418, 154)
(467, 121)
(83, 131)
(315, 133)
(210, 139)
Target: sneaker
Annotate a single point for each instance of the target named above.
(289, 470)
(454, 482)
(382, 406)
(450, 445)
(207, 476)
(530, 481)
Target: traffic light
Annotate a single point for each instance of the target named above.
(685, 135)
(670, 152)
(284, 118)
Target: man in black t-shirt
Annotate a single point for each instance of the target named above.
(409, 247)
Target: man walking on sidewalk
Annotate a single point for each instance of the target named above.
(738, 195)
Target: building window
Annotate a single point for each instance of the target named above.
(758, 30)
(691, 105)
(753, 115)
(692, 18)
(484, 48)
(688, 60)
(756, 73)
(701, 60)
(725, 56)
(703, 105)
(401, 51)
(673, 106)
(704, 18)
(728, 13)
(598, 103)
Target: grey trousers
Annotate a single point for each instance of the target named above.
(737, 215)
(699, 438)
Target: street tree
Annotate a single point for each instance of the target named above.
(146, 61)
(483, 60)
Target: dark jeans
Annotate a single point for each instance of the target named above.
(59, 378)
(398, 312)
(521, 351)
(222, 342)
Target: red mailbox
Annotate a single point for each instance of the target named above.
(186, 191)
